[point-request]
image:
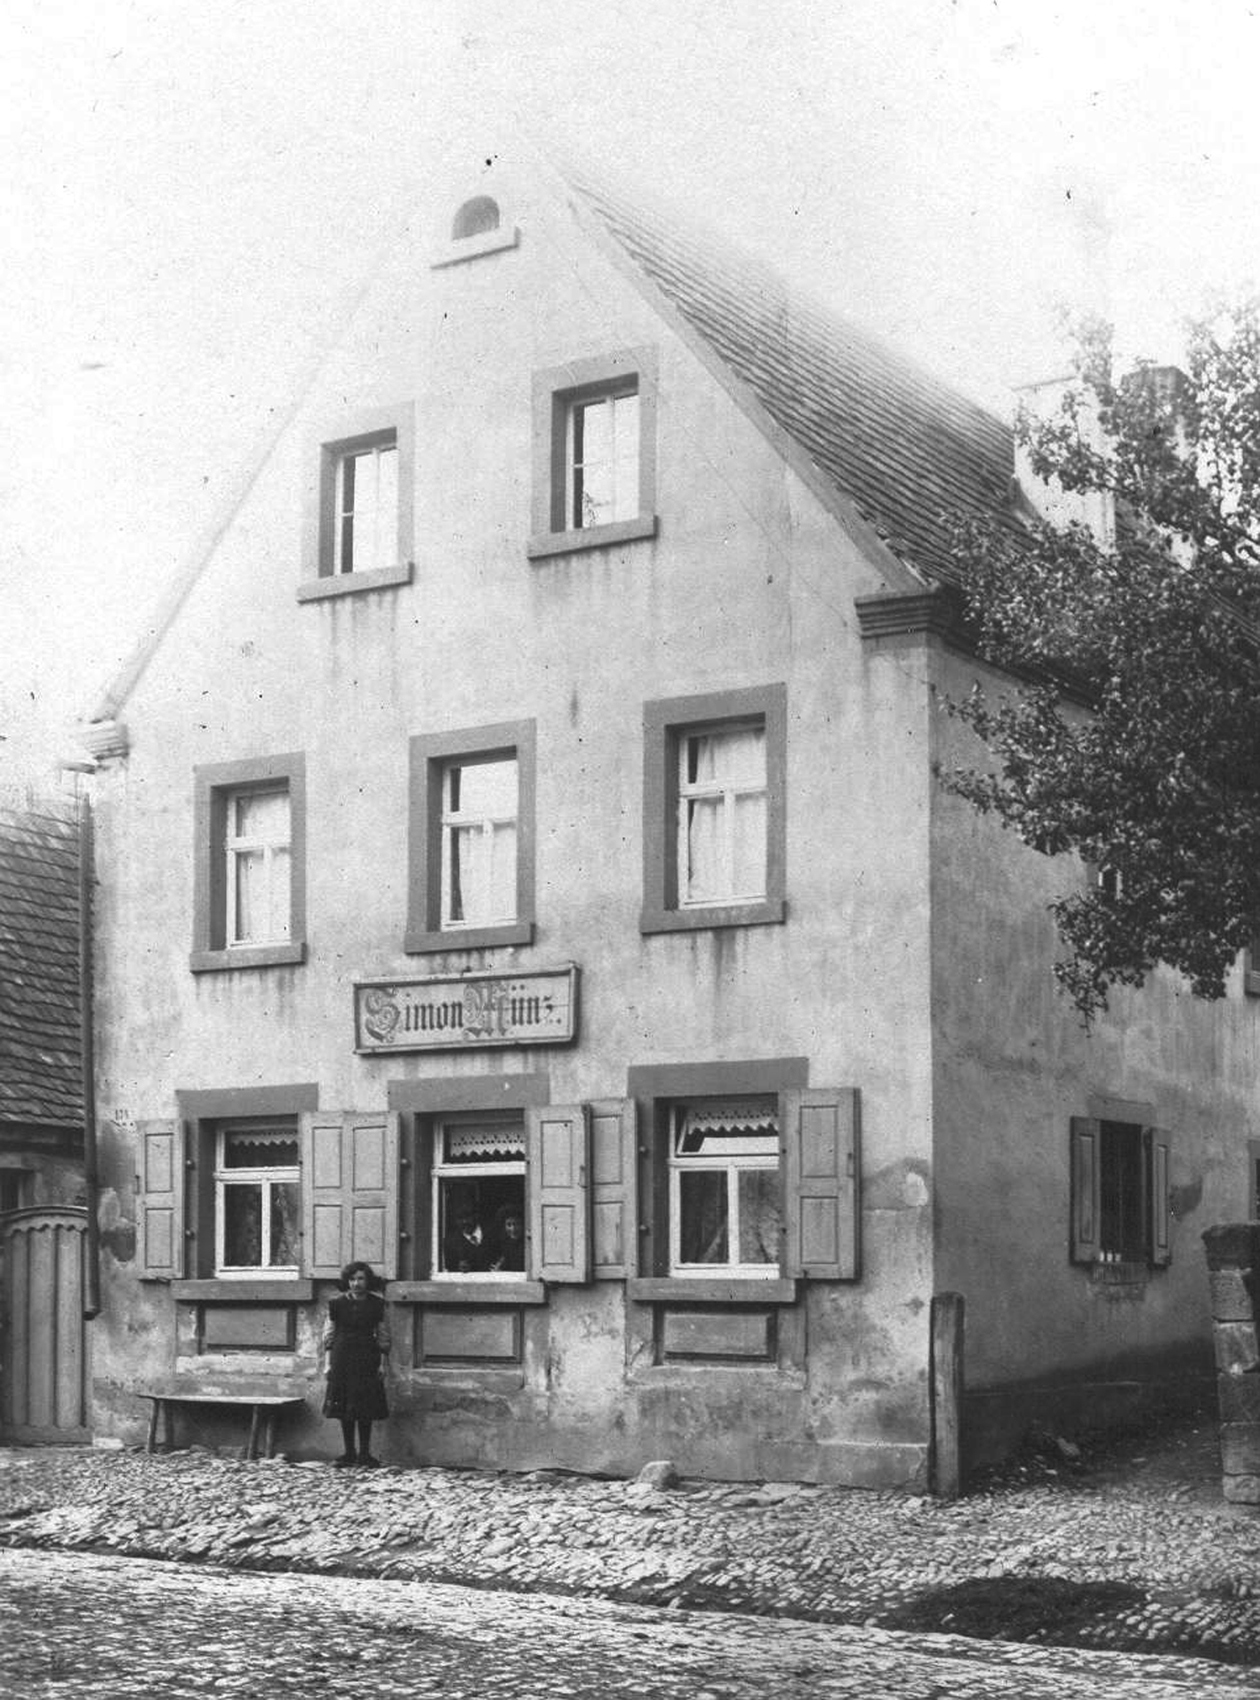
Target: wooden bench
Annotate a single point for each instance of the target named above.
(262, 1408)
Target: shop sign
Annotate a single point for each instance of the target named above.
(466, 1011)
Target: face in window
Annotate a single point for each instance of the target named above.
(478, 1190)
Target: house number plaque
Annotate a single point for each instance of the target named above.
(466, 1011)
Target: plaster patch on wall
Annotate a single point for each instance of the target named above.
(1184, 1200)
(900, 1186)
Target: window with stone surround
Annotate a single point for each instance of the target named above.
(249, 863)
(594, 453)
(358, 524)
(1119, 1200)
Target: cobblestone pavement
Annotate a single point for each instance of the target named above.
(1155, 1564)
(78, 1625)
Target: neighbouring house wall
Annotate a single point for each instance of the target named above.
(748, 583)
(1013, 1064)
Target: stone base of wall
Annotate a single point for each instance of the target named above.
(997, 1420)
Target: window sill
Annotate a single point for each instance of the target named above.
(469, 938)
(352, 584)
(473, 247)
(467, 1292)
(771, 913)
(548, 543)
(296, 1291)
(253, 956)
(701, 1289)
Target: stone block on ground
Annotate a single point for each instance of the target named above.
(660, 1473)
(1240, 1449)
(1241, 1490)
(1238, 1397)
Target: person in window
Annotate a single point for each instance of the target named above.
(356, 1344)
(465, 1248)
(508, 1239)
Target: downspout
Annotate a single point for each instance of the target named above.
(91, 1178)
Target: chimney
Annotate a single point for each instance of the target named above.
(1094, 509)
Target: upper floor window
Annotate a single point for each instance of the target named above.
(594, 453)
(366, 507)
(475, 217)
(258, 883)
(722, 814)
(249, 863)
(479, 811)
(359, 523)
(472, 838)
(602, 459)
(714, 810)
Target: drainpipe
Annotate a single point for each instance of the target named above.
(91, 1178)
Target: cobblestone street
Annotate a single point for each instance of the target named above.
(1056, 1578)
(73, 1624)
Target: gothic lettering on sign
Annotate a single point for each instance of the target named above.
(466, 1012)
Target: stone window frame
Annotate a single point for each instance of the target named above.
(213, 783)
(665, 721)
(555, 390)
(326, 446)
(429, 755)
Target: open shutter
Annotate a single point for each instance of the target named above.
(614, 1161)
(350, 1191)
(1158, 1142)
(556, 1144)
(1086, 1188)
(160, 1199)
(820, 1183)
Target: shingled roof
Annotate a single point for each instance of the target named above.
(40, 1051)
(907, 449)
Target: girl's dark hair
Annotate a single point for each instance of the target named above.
(375, 1283)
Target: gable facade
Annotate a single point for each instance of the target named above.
(519, 817)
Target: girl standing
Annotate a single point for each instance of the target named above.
(356, 1342)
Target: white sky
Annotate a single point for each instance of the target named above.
(194, 187)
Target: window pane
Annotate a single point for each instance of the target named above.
(461, 872)
(626, 425)
(251, 903)
(501, 883)
(285, 1222)
(278, 895)
(748, 850)
(385, 542)
(702, 874)
(486, 789)
(262, 816)
(759, 1215)
(242, 1225)
(703, 1216)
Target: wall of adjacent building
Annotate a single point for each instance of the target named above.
(1048, 1339)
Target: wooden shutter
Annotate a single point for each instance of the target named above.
(821, 1189)
(1158, 1143)
(350, 1191)
(614, 1163)
(556, 1146)
(160, 1199)
(1086, 1188)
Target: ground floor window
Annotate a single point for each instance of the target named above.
(258, 1198)
(1120, 1192)
(479, 1197)
(725, 1189)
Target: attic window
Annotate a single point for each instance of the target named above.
(475, 217)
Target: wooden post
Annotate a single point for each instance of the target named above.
(948, 1317)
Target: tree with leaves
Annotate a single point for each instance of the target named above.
(1131, 733)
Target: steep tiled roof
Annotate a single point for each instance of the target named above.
(903, 446)
(39, 965)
